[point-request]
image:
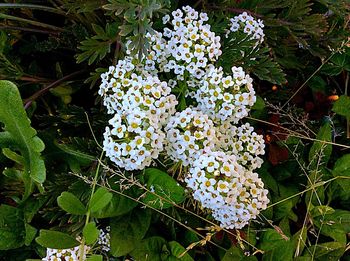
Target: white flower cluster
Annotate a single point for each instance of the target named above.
(248, 25)
(189, 134)
(104, 239)
(191, 44)
(71, 254)
(233, 194)
(125, 89)
(221, 156)
(226, 97)
(141, 105)
(242, 142)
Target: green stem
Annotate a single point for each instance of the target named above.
(87, 220)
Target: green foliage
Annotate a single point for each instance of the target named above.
(339, 62)
(128, 230)
(12, 231)
(320, 151)
(98, 46)
(166, 190)
(90, 233)
(56, 239)
(100, 199)
(117, 206)
(308, 216)
(240, 51)
(137, 15)
(342, 106)
(20, 136)
(342, 168)
(71, 204)
(234, 253)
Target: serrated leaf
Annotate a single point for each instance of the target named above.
(100, 199)
(166, 189)
(56, 239)
(71, 204)
(19, 132)
(128, 230)
(90, 233)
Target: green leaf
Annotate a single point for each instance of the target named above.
(19, 134)
(334, 224)
(98, 46)
(150, 249)
(234, 253)
(95, 258)
(342, 168)
(12, 229)
(30, 234)
(259, 104)
(342, 106)
(276, 246)
(56, 239)
(90, 233)
(178, 251)
(320, 152)
(100, 199)
(167, 190)
(128, 230)
(82, 158)
(118, 205)
(71, 204)
(327, 251)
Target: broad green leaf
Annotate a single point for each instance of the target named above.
(234, 253)
(150, 249)
(19, 134)
(177, 252)
(167, 189)
(90, 233)
(342, 168)
(30, 234)
(118, 205)
(95, 258)
(321, 210)
(326, 251)
(335, 224)
(342, 106)
(276, 246)
(100, 199)
(128, 230)
(320, 152)
(56, 239)
(71, 204)
(12, 229)
(259, 104)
